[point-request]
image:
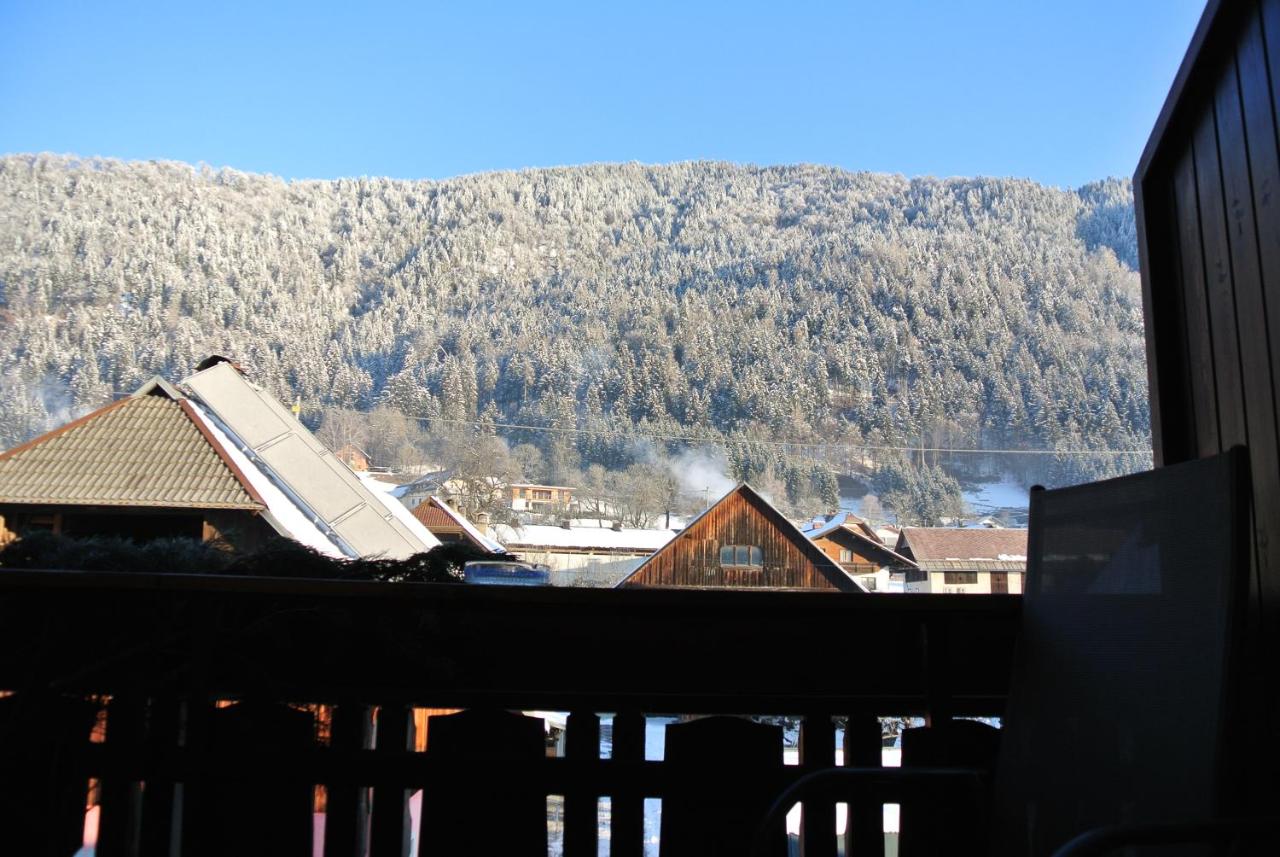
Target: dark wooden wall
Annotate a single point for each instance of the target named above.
(692, 558)
(241, 530)
(1208, 205)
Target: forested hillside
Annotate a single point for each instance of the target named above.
(615, 303)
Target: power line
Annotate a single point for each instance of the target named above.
(725, 441)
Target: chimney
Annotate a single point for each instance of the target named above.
(617, 526)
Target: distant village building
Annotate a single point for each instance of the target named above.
(856, 547)
(213, 458)
(549, 499)
(434, 483)
(582, 555)
(964, 561)
(449, 526)
(354, 457)
(742, 542)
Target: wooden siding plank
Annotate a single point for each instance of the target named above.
(1166, 372)
(1199, 337)
(1217, 262)
(1258, 59)
(1264, 163)
(1251, 305)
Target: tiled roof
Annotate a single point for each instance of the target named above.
(972, 565)
(952, 543)
(141, 451)
(432, 515)
(437, 514)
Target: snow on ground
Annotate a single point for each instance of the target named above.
(992, 496)
(983, 498)
(537, 535)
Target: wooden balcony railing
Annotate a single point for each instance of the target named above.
(158, 653)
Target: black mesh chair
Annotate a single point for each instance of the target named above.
(1120, 703)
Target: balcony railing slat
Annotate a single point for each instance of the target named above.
(389, 826)
(818, 817)
(626, 834)
(346, 826)
(864, 824)
(581, 826)
(158, 798)
(120, 798)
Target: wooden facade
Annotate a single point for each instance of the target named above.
(856, 553)
(1209, 236)
(445, 524)
(787, 559)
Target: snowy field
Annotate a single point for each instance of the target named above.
(993, 496)
(983, 499)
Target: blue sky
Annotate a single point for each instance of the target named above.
(1059, 92)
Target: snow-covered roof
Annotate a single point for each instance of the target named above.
(398, 509)
(283, 516)
(854, 526)
(437, 510)
(581, 538)
(355, 518)
(814, 530)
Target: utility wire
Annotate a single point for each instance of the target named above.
(726, 441)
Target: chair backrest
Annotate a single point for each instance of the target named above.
(478, 812)
(743, 760)
(1119, 704)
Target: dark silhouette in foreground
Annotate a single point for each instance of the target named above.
(44, 550)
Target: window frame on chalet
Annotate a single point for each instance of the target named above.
(755, 556)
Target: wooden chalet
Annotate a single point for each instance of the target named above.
(143, 467)
(449, 526)
(211, 458)
(853, 544)
(742, 542)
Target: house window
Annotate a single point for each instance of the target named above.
(869, 583)
(957, 578)
(741, 555)
(846, 555)
(541, 495)
(916, 575)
